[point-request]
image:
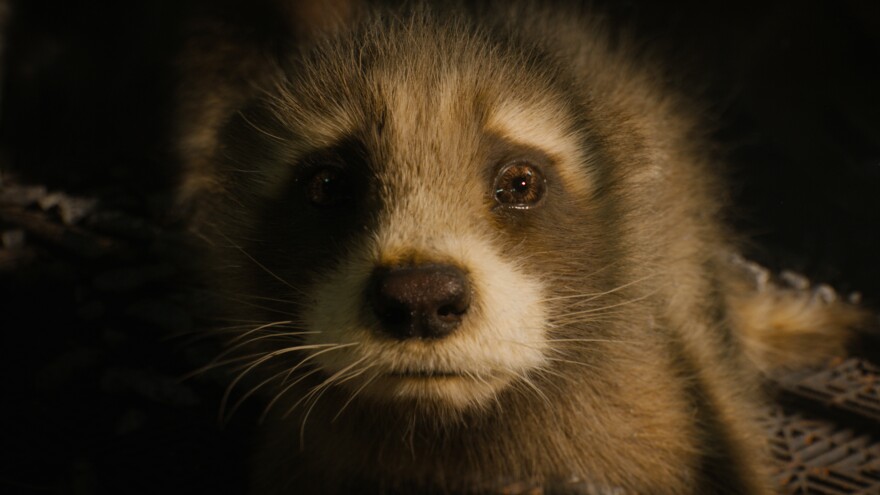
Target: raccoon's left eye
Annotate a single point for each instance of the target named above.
(327, 186)
(519, 185)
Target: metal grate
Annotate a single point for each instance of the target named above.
(852, 386)
(819, 457)
(825, 432)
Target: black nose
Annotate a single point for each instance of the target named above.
(421, 301)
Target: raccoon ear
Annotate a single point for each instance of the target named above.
(313, 18)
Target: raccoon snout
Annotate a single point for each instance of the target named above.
(421, 301)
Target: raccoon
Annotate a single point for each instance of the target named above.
(469, 246)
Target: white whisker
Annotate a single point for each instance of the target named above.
(250, 392)
(569, 361)
(540, 393)
(262, 360)
(216, 364)
(261, 327)
(261, 337)
(260, 265)
(594, 295)
(604, 308)
(313, 356)
(356, 392)
(283, 391)
(320, 389)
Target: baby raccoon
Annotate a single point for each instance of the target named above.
(477, 245)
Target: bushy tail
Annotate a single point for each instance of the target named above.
(786, 323)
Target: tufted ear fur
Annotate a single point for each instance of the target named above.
(231, 52)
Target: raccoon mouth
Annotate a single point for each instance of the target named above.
(458, 389)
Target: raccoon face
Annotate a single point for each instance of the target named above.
(407, 212)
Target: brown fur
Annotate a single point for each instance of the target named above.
(655, 338)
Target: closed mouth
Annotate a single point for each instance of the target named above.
(457, 389)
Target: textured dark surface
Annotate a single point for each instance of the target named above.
(97, 316)
(850, 386)
(817, 456)
(825, 432)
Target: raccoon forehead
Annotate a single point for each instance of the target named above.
(453, 111)
(419, 99)
(419, 72)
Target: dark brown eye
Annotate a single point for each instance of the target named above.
(520, 185)
(327, 187)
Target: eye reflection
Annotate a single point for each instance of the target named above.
(519, 185)
(327, 187)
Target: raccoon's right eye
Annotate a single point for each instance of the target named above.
(520, 186)
(327, 186)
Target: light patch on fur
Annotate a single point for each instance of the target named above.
(500, 339)
(539, 125)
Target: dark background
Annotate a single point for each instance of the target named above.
(91, 400)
